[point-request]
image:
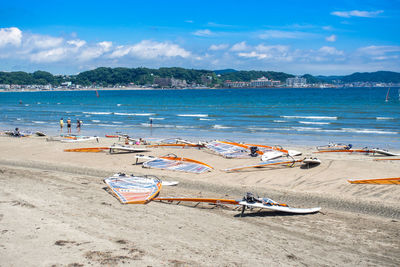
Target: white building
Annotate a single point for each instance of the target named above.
(261, 82)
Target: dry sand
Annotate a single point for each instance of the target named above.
(54, 210)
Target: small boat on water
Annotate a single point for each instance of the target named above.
(387, 95)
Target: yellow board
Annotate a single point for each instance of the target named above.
(87, 149)
(376, 181)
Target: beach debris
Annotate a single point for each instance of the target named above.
(376, 181)
(174, 163)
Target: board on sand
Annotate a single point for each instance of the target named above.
(134, 189)
(246, 202)
(79, 139)
(376, 181)
(270, 163)
(114, 149)
(384, 152)
(87, 149)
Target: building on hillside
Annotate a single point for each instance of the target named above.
(261, 82)
(231, 84)
(296, 82)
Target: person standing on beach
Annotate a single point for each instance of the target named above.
(61, 124)
(151, 122)
(69, 125)
(78, 126)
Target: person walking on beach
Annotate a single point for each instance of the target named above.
(69, 125)
(78, 126)
(61, 124)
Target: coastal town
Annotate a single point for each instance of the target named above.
(206, 83)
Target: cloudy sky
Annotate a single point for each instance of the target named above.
(298, 37)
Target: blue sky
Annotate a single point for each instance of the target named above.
(298, 37)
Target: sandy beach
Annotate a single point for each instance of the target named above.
(55, 211)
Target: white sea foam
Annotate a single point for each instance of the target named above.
(384, 118)
(185, 127)
(373, 131)
(117, 122)
(107, 125)
(118, 105)
(193, 115)
(18, 119)
(134, 114)
(157, 119)
(279, 121)
(95, 120)
(58, 103)
(27, 105)
(305, 129)
(310, 117)
(203, 119)
(217, 126)
(314, 122)
(97, 113)
(257, 129)
(39, 122)
(38, 103)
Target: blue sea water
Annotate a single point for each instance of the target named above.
(287, 116)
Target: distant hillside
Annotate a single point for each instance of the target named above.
(378, 76)
(116, 76)
(225, 71)
(246, 76)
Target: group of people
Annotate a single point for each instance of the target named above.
(78, 125)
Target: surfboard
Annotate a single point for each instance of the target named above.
(384, 152)
(126, 149)
(271, 154)
(264, 203)
(134, 189)
(269, 204)
(376, 181)
(269, 163)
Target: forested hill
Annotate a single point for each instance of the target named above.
(140, 76)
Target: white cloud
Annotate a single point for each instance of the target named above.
(203, 33)
(94, 52)
(331, 38)
(10, 36)
(42, 42)
(215, 47)
(273, 52)
(275, 34)
(150, 50)
(76, 43)
(52, 55)
(379, 50)
(239, 46)
(330, 50)
(357, 13)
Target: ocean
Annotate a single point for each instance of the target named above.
(284, 116)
